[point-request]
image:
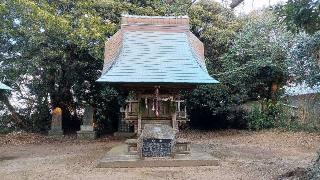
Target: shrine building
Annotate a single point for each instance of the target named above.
(155, 58)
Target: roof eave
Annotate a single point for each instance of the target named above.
(4, 87)
(157, 83)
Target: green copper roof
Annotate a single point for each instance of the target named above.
(156, 57)
(4, 87)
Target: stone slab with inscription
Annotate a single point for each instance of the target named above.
(156, 147)
(156, 140)
(86, 129)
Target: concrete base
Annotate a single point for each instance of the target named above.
(118, 157)
(87, 134)
(55, 132)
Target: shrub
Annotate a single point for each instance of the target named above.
(6, 124)
(269, 114)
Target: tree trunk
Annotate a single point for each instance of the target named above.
(17, 119)
(235, 3)
(62, 95)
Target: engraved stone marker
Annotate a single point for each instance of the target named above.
(87, 129)
(156, 140)
(156, 147)
(56, 123)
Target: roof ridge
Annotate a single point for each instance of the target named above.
(157, 17)
(155, 20)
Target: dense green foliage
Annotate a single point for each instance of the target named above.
(301, 15)
(51, 55)
(210, 105)
(254, 61)
(304, 57)
(257, 58)
(215, 26)
(54, 49)
(269, 114)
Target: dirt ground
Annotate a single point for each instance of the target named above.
(242, 155)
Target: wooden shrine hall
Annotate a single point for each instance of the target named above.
(155, 58)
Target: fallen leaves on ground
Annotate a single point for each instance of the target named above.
(23, 138)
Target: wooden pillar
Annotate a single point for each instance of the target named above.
(139, 115)
(185, 111)
(135, 126)
(176, 98)
(126, 111)
(174, 121)
(139, 124)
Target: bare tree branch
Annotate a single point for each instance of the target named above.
(235, 3)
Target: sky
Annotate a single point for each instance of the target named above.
(249, 5)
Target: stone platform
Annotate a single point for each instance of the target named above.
(87, 134)
(118, 157)
(124, 134)
(55, 133)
